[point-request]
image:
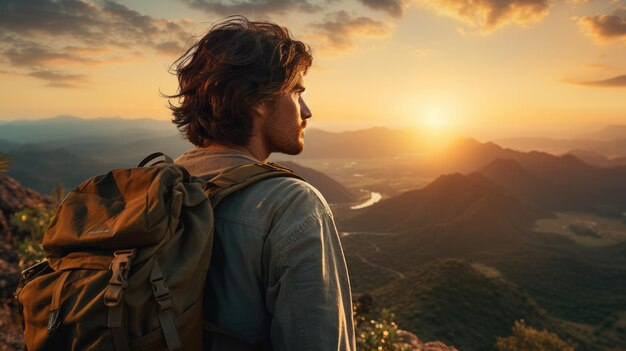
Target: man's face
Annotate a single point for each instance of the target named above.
(284, 128)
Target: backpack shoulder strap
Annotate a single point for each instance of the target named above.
(154, 156)
(241, 177)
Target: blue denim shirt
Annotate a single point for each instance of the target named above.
(278, 276)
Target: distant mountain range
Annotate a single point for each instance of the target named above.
(69, 128)
(122, 139)
(597, 159)
(43, 169)
(609, 141)
(554, 182)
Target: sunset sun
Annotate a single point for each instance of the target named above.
(434, 118)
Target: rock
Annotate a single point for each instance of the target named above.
(416, 344)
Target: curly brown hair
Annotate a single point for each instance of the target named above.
(237, 64)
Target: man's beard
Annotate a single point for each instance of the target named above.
(288, 142)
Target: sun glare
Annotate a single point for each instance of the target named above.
(434, 118)
(436, 123)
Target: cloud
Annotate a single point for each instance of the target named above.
(60, 80)
(615, 82)
(30, 54)
(253, 7)
(489, 15)
(43, 35)
(337, 32)
(169, 47)
(605, 28)
(94, 22)
(394, 8)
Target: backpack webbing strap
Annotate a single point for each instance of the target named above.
(114, 296)
(164, 299)
(242, 176)
(55, 304)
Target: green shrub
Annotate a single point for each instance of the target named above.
(379, 334)
(529, 339)
(31, 225)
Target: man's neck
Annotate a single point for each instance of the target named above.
(251, 149)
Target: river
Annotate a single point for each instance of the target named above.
(374, 198)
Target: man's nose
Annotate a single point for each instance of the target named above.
(305, 112)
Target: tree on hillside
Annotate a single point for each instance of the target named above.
(530, 339)
(5, 162)
(58, 193)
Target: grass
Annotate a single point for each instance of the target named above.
(610, 231)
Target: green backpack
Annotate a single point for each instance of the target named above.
(127, 256)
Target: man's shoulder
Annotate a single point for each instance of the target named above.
(273, 202)
(273, 197)
(291, 191)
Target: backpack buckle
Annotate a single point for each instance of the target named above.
(160, 290)
(120, 267)
(161, 294)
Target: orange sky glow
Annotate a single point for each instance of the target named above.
(510, 67)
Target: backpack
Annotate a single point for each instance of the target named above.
(127, 257)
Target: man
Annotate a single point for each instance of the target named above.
(278, 277)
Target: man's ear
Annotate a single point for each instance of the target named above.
(259, 110)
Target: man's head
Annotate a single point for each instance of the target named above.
(238, 71)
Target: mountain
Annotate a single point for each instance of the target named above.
(596, 159)
(449, 199)
(603, 189)
(42, 169)
(606, 147)
(127, 152)
(466, 155)
(609, 141)
(6, 145)
(73, 128)
(491, 220)
(452, 301)
(542, 193)
(101, 134)
(332, 190)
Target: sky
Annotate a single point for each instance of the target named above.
(532, 67)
